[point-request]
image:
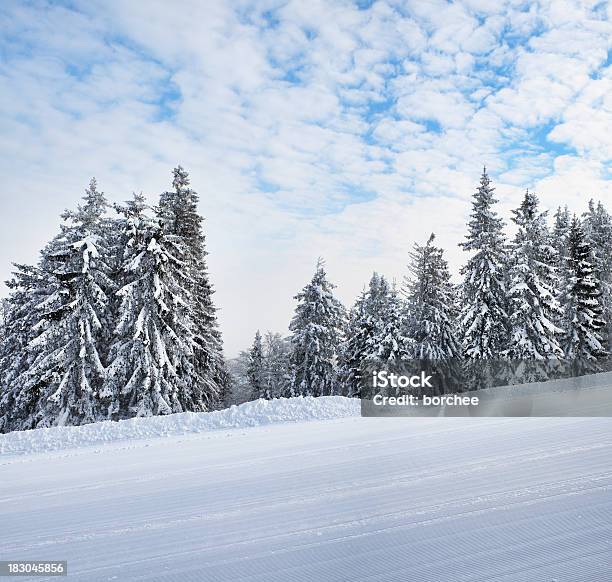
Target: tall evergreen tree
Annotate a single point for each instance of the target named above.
(152, 370)
(560, 238)
(178, 211)
(256, 369)
(67, 369)
(355, 348)
(316, 328)
(533, 307)
(122, 386)
(27, 290)
(483, 319)
(389, 342)
(4, 313)
(582, 341)
(432, 308)
(276, 369)
(240, 388)
(598, 230)
(560, 232)
(375, 333)
(115, 321)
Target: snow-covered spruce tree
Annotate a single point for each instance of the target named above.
(582, 341)
(67, 351)
(4, 310)
(178, 211)
(256, 368)
(240, 388)
(483, 318)
(121, 385)
(374, 334)
(431, 301)
(389, 342)
(316, 334)
(152, 367)
(561, 225)
(276, 369)
(20, 316)
(431, 319)
(265, 365)
(355, 348)
(533, 308)
(559, 238)
(598, 230)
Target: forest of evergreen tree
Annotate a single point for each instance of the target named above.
(540, 302)
(117, 318)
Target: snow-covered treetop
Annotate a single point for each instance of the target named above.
(89, 213)
(528, 210)
(485, 229)
(134, 207)
(180, 179)
(530, 220)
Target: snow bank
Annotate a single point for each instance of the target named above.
(249, 414)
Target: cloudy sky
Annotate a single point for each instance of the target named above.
(334, 128)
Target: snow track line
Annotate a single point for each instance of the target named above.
(417, 511)
(338, 540)
(487, 463)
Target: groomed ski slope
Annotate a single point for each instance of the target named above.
(345, 499)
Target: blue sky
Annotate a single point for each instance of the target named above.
(333, 128)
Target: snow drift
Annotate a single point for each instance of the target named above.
(249, 414)
(283, 410)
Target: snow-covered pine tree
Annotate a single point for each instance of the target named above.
(4, 312)
(374, 334)
(560, 232)
(583, 323)
(152, 367)
(559, 238)
(483, 318)
(276, 371)
(256, 369)
(432, 312)
(316, 328)
(355, 348)
(598, 230)
(533, 309)
(20, 316)
(388, 342)
(272, 370)
(178, 210)
(126, 381)
(67, 351)
(240, 388)
(431, 301)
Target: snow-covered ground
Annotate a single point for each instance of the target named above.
(249, 414)
(360, 499)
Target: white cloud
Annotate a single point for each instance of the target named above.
(575, 180)
(307, 126)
